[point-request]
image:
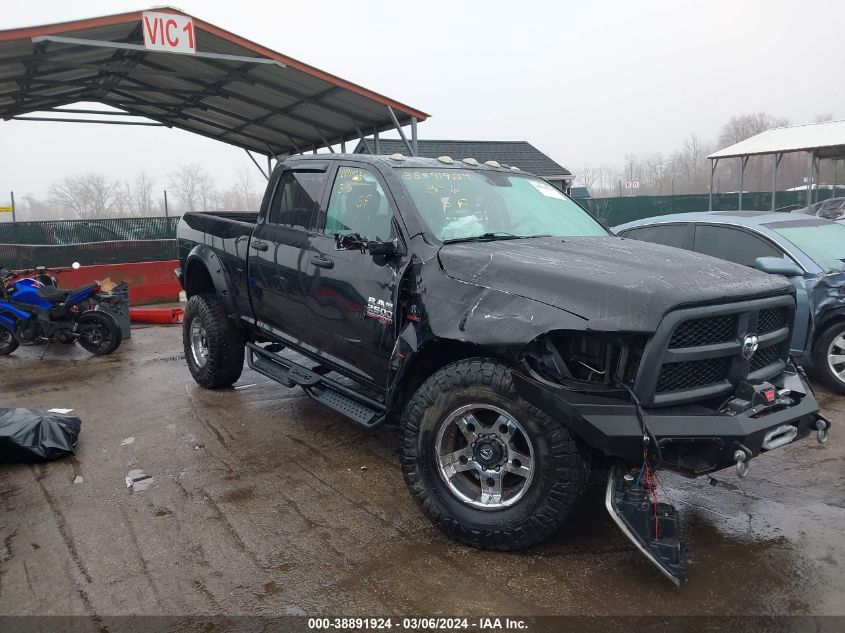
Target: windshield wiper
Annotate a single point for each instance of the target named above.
(489, 237)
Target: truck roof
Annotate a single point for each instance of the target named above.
(400, 160)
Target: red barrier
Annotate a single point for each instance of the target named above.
(156, 315)
(149, 282)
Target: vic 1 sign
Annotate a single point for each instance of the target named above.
(168, 32)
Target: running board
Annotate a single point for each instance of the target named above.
(631, 509)
(357, 406)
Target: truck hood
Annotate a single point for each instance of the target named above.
(614, 283)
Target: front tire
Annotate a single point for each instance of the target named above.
(214, 347)
(486, 467)
(829, 357)
(8, 341)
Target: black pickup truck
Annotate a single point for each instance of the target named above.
(518, 344)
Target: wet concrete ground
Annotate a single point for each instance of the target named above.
(256, 500)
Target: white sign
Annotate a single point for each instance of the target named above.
(636, 184)
(168, 32)
(627, 184)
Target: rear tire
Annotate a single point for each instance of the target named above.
(214, 347)
(98, 333)
(829, 357)
(529, 506)
(8, 341)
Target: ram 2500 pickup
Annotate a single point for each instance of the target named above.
(518, 343)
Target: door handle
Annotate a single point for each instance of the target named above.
(321, 261)
(259, 246)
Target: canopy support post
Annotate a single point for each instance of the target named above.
(744, 160)
(713, 163)
(363, 139)
(255, 162)
(414, 142)
(376, 141)
(401, 132)
(777, 158)
(810, 161)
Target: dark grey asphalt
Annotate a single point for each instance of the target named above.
(258, 501)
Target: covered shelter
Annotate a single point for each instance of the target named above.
(821, 141)
(175, 70)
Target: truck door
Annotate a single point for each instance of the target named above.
(351, 296)
(279, 247)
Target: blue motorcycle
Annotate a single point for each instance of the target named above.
(34, 309)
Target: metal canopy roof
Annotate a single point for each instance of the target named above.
(232, 90)
(824, 140)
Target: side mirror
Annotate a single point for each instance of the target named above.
(75, 265)
(778, 266)
(384, 249)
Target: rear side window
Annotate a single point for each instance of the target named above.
(677, 235)
(732, 244)
(297, 198)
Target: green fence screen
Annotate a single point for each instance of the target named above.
(614, 211)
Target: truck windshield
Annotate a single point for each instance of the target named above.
(823, 243)
(460, 204)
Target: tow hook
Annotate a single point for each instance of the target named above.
(822, 426)
(742, 457)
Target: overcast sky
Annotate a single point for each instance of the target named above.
(586, 82)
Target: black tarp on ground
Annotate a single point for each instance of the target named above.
(32, 435)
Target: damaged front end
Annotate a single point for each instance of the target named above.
(712, 388)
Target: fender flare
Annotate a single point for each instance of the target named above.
(202, 255)
(828, 316)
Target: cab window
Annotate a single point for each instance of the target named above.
(297, 198)
(677, 235)
(733, 244)
(358, 205)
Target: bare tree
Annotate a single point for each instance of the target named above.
(655, 173)
(136, 198)
(246, 186)
(87, 196)
(587, 176)
(692, 153)
(192, 185)
(745, 126)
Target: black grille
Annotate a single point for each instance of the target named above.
(764, 357)
(705, 331)
(692, 374)
(771, 319)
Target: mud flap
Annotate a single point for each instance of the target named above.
(631, 509)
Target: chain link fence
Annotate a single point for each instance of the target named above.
(89, 242)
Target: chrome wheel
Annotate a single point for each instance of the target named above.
(484, 456)
(199, 343)
(836, 357)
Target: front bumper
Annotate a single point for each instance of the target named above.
(693, 439)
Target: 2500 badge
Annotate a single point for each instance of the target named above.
(380, 310)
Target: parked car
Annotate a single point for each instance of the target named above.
(810, 251)
(831, 209)
(517, 342)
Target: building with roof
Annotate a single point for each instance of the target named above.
(820, 141)
(513, 153)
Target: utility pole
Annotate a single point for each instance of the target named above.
(165, 204)
(13, 206)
